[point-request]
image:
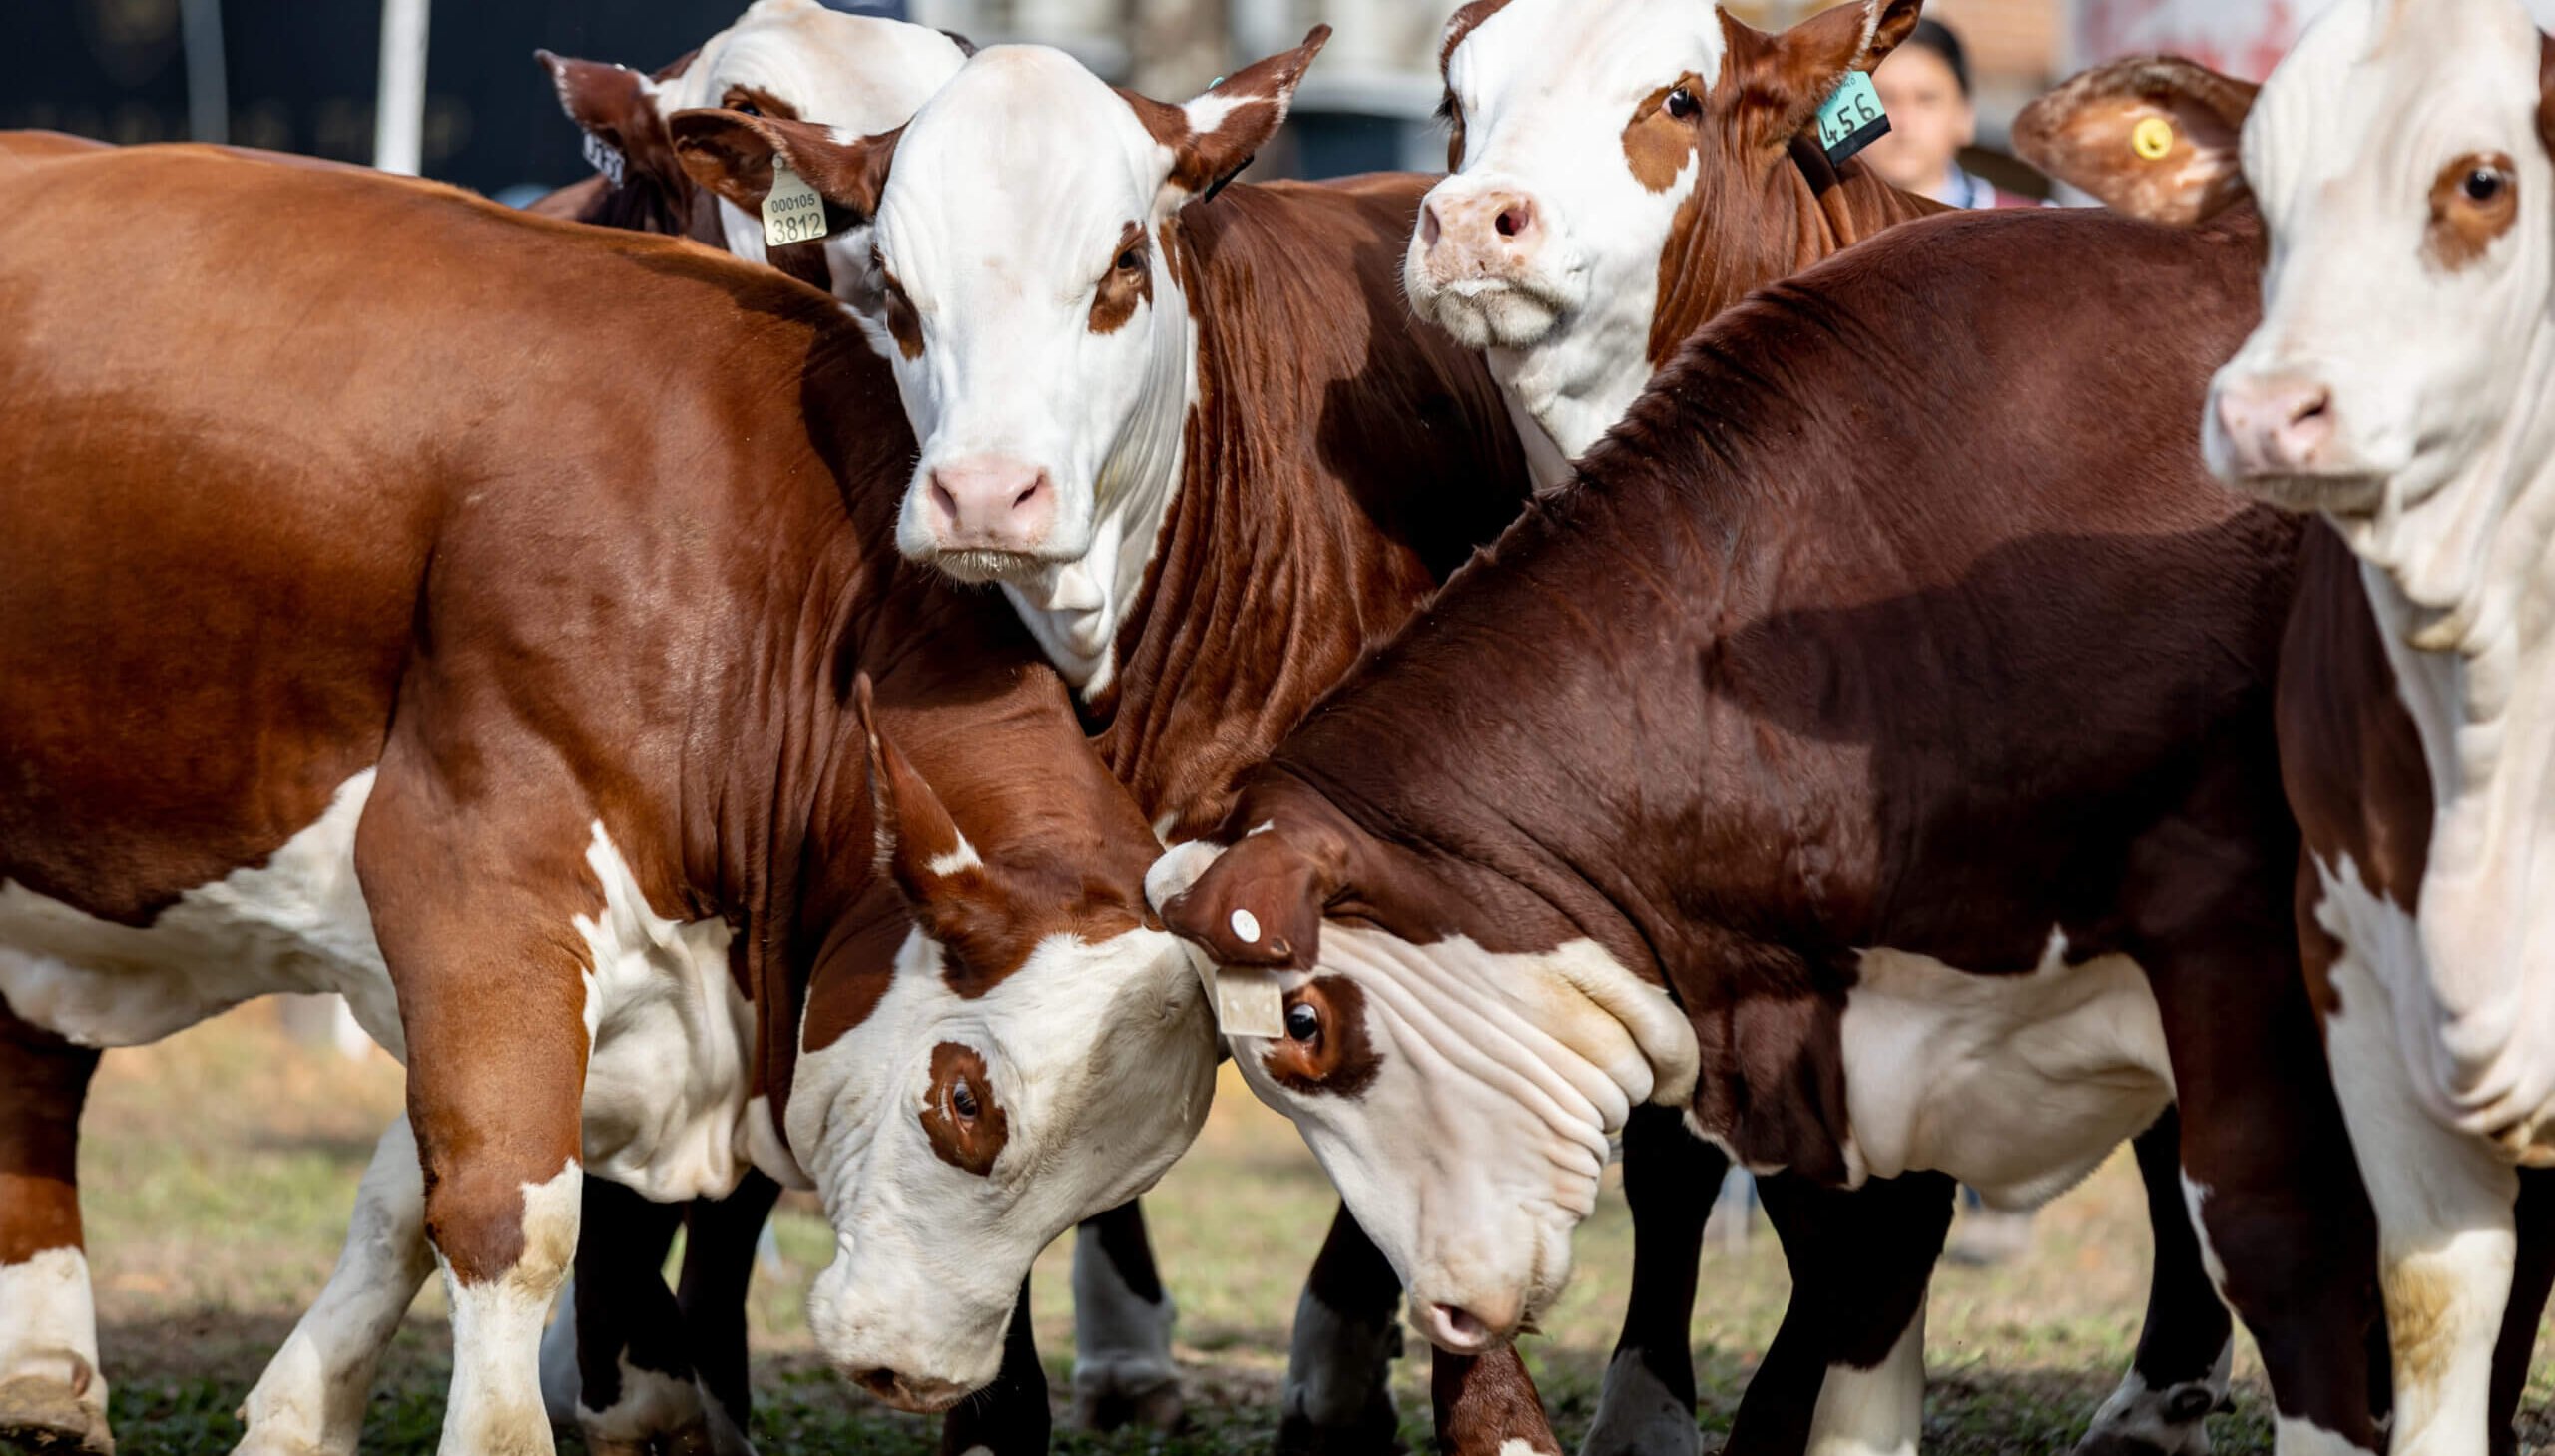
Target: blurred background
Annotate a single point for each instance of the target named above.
(301, 75)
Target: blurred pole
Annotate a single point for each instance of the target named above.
(399, 111)
(208, 79)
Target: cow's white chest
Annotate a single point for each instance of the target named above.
(2018, 1085)
(296, 924)
(666, 1082)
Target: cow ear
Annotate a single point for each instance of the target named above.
(1784, 79)
(732, 153)
(2155, 136)
(1215, 135)
(616, 109)
(919, 846)
(1258, 903)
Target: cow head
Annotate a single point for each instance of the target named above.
(791, 59)
(1034, 311)
(1458, 1070)
(1006, 1046)
(1592, 140)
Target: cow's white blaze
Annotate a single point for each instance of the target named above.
(2018, 1085)
(1009, 203)
(1546, 87)
(2398, 384)
(1497, 1080)
(1100, 1058)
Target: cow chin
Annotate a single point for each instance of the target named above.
(1482, 314)
(982, 567)
(952, 1349)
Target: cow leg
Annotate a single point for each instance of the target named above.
(1486, 1405)
(2180, 1374)
(2275, 1193)
(721, 1240)
(1008, 1417)
(633, 1391)
(2446, 1239)
(1845, 1374)
(1123, 1374)
(2534, 1276)
(51, 1391)
(1646, 1404)
(310, 1399)
(1339, 1398)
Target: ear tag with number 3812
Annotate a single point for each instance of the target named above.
(1852, 118)
(791, 211)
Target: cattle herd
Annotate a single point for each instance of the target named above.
(1650, 641)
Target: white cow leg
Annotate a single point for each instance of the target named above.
(50, 1388)
(1122, 1371)
(2446, 1245)
(495, 1406)
(1874, 1412)
(311, 1400)
(52, 1394)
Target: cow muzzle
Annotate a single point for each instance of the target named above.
(2279, 437)
(986, 516)
(1477, 265)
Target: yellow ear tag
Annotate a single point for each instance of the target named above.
(791, 211)
(2151, 138)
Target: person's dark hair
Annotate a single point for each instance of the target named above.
(1937, 37)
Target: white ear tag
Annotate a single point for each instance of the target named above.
(791, 211)
(1249, 1002)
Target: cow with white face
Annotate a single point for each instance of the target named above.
(791, 59)
(2397, 390)
(1622, 171)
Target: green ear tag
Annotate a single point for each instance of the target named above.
(1852, 119)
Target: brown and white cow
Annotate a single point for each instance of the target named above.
(1621, 171)
(364, 629)
(792, 59)
(1198, 440)
(1916, 736)
(2396, 390)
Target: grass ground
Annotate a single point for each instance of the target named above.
(219, 1166)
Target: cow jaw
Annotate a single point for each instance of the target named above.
(1544, 90)
(1466, 1111)
(1015, 193)
(1095, 1061)
(2404, 323)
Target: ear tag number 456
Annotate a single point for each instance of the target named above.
(1852, 118)
(791, 211)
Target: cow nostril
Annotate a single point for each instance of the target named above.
(2311, 406)
(1429, 228)
(943, 501)
(881, 1383)
(1461, 1325)
(1512, 221)
(1022, 500)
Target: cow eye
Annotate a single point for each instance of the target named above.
(1303, 1023)
(962, 1100)
(747, 106)
(1130, 261)
(2486, 184)
(1681, 103)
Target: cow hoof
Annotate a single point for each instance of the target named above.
(2168, 1422)
(50, 1416)
(1153, 1404)
(1376, 1432)
(1637, 1416)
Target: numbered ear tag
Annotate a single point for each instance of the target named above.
(1249, 1002)
(791, 211)
(1852, 118)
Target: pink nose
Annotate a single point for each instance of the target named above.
(2276, 425)
(990, 503)
(1491, 233)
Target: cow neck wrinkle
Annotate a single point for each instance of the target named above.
(1275, 566)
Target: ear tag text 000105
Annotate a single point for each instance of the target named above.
(791, 211)
(1852, 118)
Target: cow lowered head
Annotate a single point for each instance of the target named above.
(1455, 1059)
(1615, 168)
(789, 59)
(1038, 1053)
(1035, 311)
(2399, 157)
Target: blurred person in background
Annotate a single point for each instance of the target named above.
(1925, 86)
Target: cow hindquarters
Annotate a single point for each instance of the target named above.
(51, 1391)
(310, 1399)
(2446, 1246)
